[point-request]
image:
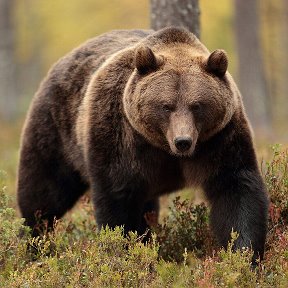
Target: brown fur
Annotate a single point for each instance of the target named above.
(112, 116)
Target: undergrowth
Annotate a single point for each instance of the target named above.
(186, 227)
(181, 252)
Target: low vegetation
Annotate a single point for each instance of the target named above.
(181, 252)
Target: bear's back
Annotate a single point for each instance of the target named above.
(72, 72)
(65, 85)
(60, 95)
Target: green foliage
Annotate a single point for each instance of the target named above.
(227, 269)
(186, 227)
(234, 268)
(276, 178)
(180, 254)
(12, 247)
(72, 256)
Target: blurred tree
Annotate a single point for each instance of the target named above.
(274, 28)
(30, 70)
(8, 91)
(175, 13)
(251, 69)
(284, 75)
(60, 26)
(217, 30)
(47, 30)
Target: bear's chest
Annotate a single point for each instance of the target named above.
(162, 172)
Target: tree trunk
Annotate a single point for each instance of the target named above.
(251, 69)
(8, 91)
(184, 13)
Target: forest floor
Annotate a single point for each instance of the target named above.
(181, 252)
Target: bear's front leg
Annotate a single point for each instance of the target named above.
(121, 207)
(239, 202)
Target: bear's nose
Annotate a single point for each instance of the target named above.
(183, 143)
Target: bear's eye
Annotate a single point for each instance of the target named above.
(168, 108)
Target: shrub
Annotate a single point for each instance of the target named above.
(76, 255)
(12, 247)
(224, 269)
(107, 260)
(72, 255)
(186, 227)
(276, 178)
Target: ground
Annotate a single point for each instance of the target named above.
(181, 253)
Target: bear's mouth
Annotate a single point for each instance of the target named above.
(183, 155)
(181, 150)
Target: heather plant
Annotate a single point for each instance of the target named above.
(12, 247)
(186, 227)
(224, 269)
(276, 178)
(181, 252)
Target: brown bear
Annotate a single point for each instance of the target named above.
(132, 115)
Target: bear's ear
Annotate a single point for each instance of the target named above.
(217, 63)
(146, 61)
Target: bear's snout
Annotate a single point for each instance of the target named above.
(183, 144)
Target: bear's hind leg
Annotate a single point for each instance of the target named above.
(47, 188)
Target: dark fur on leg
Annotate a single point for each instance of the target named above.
(239, 202)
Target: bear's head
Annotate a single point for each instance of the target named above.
(178, 94)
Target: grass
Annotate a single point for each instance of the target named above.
(181, 253)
